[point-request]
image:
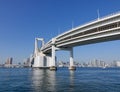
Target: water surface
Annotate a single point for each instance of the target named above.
(62, 80)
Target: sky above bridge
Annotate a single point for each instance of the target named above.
(23, 20)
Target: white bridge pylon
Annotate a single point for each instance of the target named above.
(42, 60)
(36, 44)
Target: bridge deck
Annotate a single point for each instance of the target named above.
(104, 29)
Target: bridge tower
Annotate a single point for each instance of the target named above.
(40, 59)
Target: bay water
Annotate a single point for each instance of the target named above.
(62, 80)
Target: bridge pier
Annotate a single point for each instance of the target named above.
(53, 60)
(71, 67)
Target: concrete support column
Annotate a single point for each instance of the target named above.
(71, 67)
(53, 62)
(53, 56)
(71, 58)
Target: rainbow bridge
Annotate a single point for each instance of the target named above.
(100, 30)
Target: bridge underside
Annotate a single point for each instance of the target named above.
(93, 41)
(87, 42)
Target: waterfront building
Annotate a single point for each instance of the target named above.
(27, 63)
(8, 63)
(102, 64)
(96, 63)
(117, 63)
(61, 64)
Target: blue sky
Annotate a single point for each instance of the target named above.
(23, 20)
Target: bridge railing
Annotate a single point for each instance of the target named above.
(100, 19)
(90, 22)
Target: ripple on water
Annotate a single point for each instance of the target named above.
(63, 80)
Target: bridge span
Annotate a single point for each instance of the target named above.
(99, 30)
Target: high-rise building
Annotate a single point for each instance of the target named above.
(97, 63)
(27, 62)
(9, 61)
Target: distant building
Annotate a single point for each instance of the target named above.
(62, 64)
(94, 63)
(27, 62)
(118, 63)
(102, 64)
(97, 63)
(8, 63)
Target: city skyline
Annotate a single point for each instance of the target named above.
(93, 63)
(22, 21)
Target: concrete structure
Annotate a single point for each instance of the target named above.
(41, 60)
(100, 30)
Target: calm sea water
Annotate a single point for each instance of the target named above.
(62, 80)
